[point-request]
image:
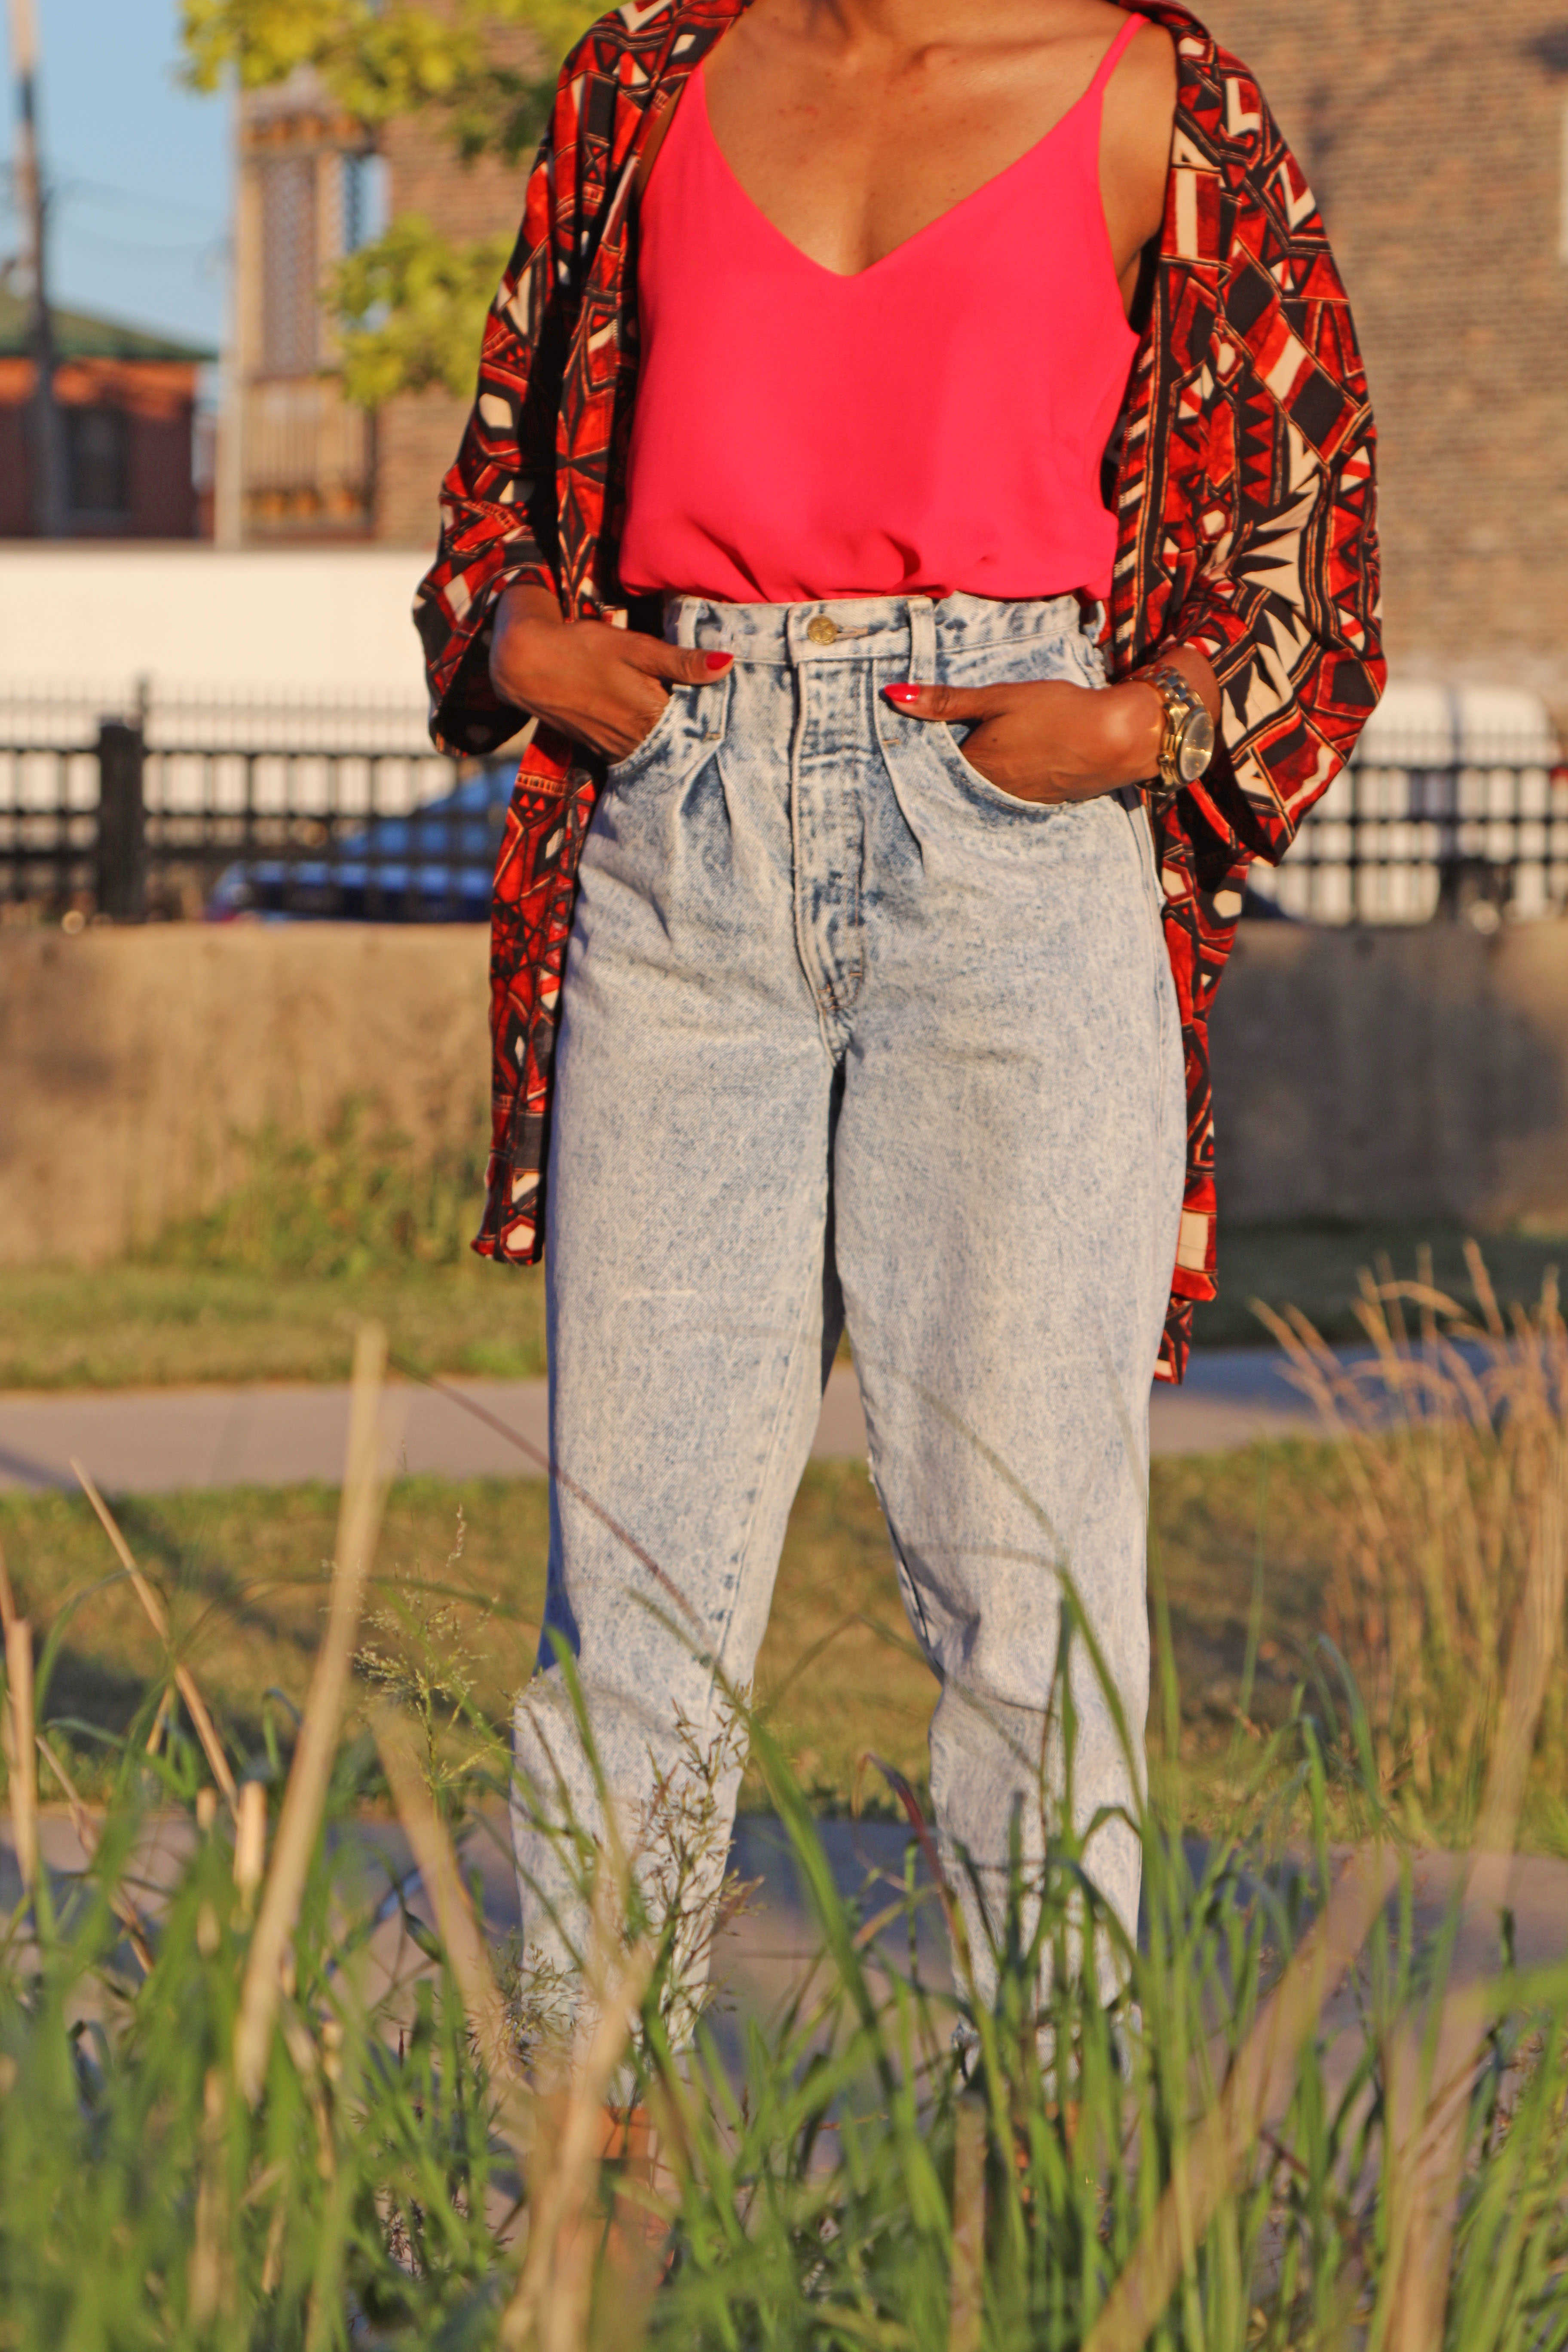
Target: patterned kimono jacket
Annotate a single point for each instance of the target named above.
(1242, 488)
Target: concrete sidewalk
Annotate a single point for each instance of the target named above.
(160, 1441)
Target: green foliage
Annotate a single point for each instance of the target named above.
(412, 309)
(410, 306)
(378, 63)
(359, 1199)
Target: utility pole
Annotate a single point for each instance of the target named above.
(47, 446)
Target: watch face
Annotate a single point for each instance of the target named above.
(1196, 748)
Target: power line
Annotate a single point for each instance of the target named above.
(103, 191)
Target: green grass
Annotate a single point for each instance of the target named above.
(1317, 1266)
(834, 2176)
(270, 1284)
(245, 1574)
(211, 1310)
(168, 1326)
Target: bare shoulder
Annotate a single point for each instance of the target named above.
(1143, 87)
(1135, 144)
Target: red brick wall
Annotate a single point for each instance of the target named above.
(15, 516)
(159, 398)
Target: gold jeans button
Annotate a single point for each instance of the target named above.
(822, 631)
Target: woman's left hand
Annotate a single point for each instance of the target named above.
(1042, 740)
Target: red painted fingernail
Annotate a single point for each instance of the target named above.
(718, 661)
(902, 695)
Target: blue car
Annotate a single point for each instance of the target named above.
(432, 865)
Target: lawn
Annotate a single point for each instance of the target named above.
(142, 1326)
(209, 1311)
(1317, 1267)
(460, 1579)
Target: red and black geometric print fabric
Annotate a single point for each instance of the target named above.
(1244, 493)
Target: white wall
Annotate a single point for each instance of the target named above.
(324, 621)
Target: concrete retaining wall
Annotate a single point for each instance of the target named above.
(132, 1060)
(1393, 1074)
(1421, 1074)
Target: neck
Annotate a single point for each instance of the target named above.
(910, 25)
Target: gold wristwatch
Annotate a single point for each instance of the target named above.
(1187, 745)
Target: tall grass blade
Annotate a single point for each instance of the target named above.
(20, 1757)
(1255, 2094)
(460, 1932)
(124, 1910)
(364, 1491)
(185, 1681)
(550, 2307)
(966, 2294)
(249, 1843)
(1427, 2165)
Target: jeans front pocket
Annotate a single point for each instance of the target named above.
(995, 795)
(643, 754)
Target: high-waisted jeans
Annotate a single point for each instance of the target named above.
(850, 1035)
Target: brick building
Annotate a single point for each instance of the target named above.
(296, 460)
(1436, 136)
(128, 406)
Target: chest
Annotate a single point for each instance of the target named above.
(850, 157)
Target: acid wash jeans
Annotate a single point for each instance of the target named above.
(848, 1035)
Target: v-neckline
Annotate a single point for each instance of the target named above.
(856, 277)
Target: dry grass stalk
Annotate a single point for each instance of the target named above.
(209, 2267)
(249, 1843)
(1256, 2095)
(966, 2291)
(1449, 1446)
(1428, 2160)
(20, 1756)
(460, 1932)
(358, 1520)
(124, 1910)
(550, 2307)
(185, 1681)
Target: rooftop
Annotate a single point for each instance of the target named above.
(79, 335)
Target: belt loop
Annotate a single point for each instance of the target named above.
(684, 612)
(922, 641)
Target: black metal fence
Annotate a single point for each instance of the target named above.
(1483, 839)
(188, 806)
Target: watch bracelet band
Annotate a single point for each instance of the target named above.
(1180, 699)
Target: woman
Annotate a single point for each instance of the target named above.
(962, 401)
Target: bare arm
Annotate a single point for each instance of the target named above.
(603, 687)
(1050, 741)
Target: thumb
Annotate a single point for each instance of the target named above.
(960, 702)
(684, 665)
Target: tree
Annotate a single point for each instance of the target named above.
(409, 306)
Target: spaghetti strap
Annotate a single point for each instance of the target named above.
(1108, 64)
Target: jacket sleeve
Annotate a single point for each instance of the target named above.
(1286, 602)
(498, 501)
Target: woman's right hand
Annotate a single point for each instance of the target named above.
(604, 687)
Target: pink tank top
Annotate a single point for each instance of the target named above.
(932, 424)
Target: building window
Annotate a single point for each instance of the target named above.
(289, 318)
(98, 456)
(363, 200)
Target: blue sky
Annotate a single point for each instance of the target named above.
(139, 167)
